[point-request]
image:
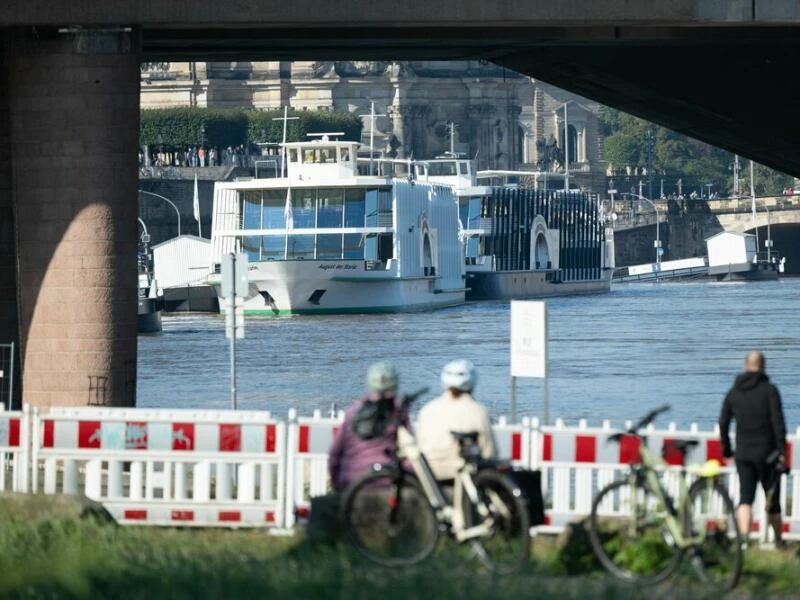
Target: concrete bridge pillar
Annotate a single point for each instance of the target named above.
(73, 108)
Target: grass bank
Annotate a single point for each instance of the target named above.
(64, 557)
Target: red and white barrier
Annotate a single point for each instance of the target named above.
(577, 462)
(247, 469)
(308, 442)
(14, 450)
(165, 467)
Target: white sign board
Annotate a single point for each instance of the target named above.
(234, 275)
(528, 338)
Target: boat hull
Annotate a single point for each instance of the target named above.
(745, 272)
(148, 319)
(520, 285)
(193, 298)
(338, 287)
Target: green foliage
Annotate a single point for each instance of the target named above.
(676, 156)
(180, 127)
(44, 557)
(263, 128)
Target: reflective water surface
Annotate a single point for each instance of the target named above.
(611, 357)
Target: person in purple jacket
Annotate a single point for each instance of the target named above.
(368, 431)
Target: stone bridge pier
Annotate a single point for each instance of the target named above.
(69, 115)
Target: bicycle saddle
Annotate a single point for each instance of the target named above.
(682, 446)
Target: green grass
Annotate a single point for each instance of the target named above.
(63, 557)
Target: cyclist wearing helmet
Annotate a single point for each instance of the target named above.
(455, 410)
(366, 433)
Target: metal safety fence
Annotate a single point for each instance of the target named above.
(250, 469)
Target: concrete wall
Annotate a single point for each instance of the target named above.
(634, 246)
(160, 217)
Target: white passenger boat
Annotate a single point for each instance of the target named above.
(328, 239)
(525, 242)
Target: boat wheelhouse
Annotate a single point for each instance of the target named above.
(525, 239)
(327, 238)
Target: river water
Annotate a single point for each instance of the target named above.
(612, 356)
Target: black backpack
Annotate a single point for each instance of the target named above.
(371, 420)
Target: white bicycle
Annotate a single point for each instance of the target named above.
(395, 517)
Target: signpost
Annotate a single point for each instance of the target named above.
(234, 290)
(528, 348)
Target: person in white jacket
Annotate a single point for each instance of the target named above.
(455, 410)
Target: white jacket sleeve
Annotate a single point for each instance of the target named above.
(487, 436)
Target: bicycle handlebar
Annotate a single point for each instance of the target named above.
(649, 418)
(643, 422)
(408, 399)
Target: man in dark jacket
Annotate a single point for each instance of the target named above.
(760, 431)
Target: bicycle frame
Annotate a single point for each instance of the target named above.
(463, 485)
(675, 517)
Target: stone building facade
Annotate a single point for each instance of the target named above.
(502, 119)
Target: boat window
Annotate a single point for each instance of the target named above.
(273, 247)
(329, 245)
(385, 246)
(371, 246)
(371, 209)
(464, 167)
(293, 155)
(274, 211)
(345, 154)
(251, 245)
(327, 155)
(300, 246)
(303, 208)
(473, 247)
(353, 245)
(447, 167)
(354, 208)
(474, 216)
(330, 207)
(251, 210)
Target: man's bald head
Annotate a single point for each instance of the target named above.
(755, 362)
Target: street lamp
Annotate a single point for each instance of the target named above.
(658, 231)
(566, 142)
(171, 203)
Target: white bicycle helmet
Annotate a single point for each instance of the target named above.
(381, 378)
(459, 375)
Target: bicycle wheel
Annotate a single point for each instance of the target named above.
(505, 547)
(387, 517)
(718, 558)
(629, 533)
